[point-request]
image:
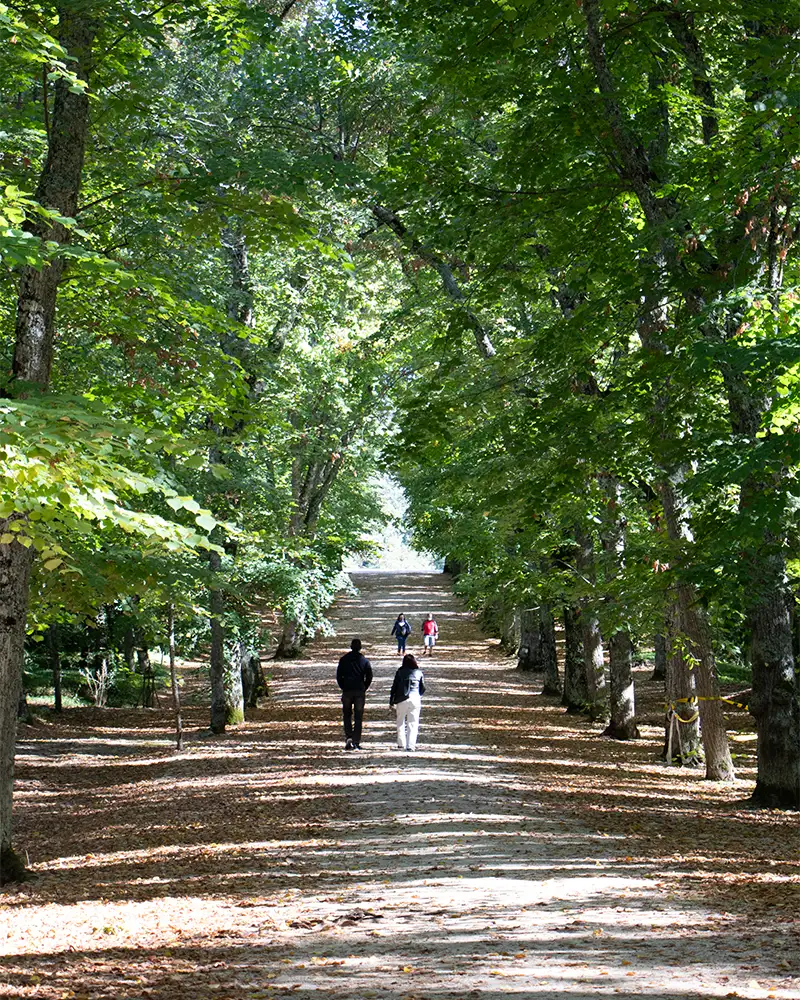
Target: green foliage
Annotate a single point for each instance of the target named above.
(241, 344)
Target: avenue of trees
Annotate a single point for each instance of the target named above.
(535, 260)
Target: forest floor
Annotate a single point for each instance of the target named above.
(516, 853)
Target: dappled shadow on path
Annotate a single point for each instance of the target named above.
(271, 862)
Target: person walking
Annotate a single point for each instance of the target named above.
(408, 688)
(354, 676)
(401, 629)
(430, 633)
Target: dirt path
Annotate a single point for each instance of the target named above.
(509, 856)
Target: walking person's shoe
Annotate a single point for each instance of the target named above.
(348, 745)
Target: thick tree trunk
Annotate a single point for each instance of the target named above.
(594, 664)
(693, 624)
(552, 682)
(530, 655)
(15, 566)
(509, 628)
(234, 693)
(660, 660)
(216, 607)
(774, 703)
(289, 644)
(575, 696)
(58, 188)
(254, 683)
(594, 667)
(682, 721)
(622, 724)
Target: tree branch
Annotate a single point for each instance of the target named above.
(287, 9)
(451, 286)
(681, 27)
(634, 163)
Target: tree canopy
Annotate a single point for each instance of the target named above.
(535, 262)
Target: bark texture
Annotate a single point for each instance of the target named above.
(682, 743)
(232, 682)
(254, 683)
(552, 682)
(59, 189)
(530, 655)
(15, 567)
(575, 695)
(775, 703)
(660, 657)
(593, 658)
(622, 701)
(622, 722)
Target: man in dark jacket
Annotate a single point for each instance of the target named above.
(354, 676)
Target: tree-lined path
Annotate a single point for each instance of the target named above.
(509, 856)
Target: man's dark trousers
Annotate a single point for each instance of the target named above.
(353, 705)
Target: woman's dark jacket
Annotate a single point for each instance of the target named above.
(407, 681)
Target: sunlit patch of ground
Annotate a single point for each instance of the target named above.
(517, 853)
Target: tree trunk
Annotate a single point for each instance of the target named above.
(15, 566)
(54, 655)
(234, 694)
(682, 722)
(254, 683)
(660, 662)
(693, 624)
(219, 709)
(622, 707)
(148, 677)
(58, 188)
(509, 628)
(289, 643)
(129, 648)
(552, 682)
(575, 696)
(594, 665)
(774, 702)
(173, 676)
(635, 167)
(622, 725)
(452, 566)
(530, 655)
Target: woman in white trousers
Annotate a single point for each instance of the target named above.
(408, 688)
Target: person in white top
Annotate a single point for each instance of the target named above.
(408, 688)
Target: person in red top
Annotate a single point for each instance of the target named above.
(430, 633)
